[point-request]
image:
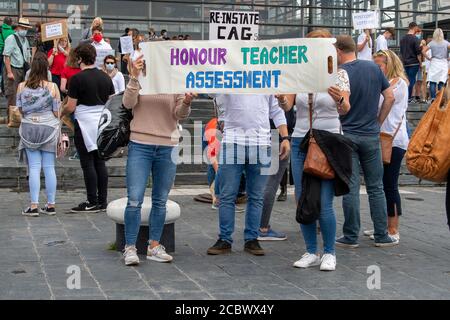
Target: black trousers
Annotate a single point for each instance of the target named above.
(447, 200)
(390, 182)
(94, 171)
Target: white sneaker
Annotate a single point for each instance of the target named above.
(328, 262)
(158, 254)
(372, 237)
(130, 256)
(368, 233)
(396, 236)
(307, 260)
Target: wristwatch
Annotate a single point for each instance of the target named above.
(286, 138)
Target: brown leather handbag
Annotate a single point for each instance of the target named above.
(316, 162)
(386, 144)
(428, 154)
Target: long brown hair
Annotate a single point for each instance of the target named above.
(72, 60)
(38, 72)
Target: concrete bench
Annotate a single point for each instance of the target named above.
(116, 212)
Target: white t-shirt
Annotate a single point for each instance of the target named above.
(325, 115)
(366, 52)
(119, 82)
(381, 43)
(246, 118)
(102, 45)
(396, 114)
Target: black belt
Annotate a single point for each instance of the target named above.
(21, 68)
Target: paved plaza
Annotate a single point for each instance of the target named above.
(37, 253)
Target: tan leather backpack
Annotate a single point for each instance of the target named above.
(428, 154)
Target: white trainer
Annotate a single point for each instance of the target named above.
(328, 262)
(372, 237)
(158, 254)
(130, 256)
(396, 236)
(368, 233)
(307, 260)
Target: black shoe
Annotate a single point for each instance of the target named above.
(30, 212)
(48, 211)
(220, 247)
(253, 247)
(282, 196)
(103, 207)
(86, 207)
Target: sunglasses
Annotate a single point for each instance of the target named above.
(110, 63)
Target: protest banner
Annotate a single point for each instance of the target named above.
(233, 25)
(366, 20)
(252, 67)
(126, 44)
(101, 55)
(54, 30)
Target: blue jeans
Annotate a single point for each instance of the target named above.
(327, 220)
(433, 88)
(143, 160)
(46, 160)
(368, 155)
(233, 161)
(411, 72)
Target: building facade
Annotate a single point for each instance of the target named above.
(278, 18)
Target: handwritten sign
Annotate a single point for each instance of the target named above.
(54, 30)
(252, 67)
(366, 20)
(126, 44)
(233, 25)
(101, 55)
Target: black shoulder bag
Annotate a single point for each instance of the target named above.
(26, 65)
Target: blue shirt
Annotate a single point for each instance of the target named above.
(367, 82)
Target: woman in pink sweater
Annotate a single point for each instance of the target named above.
(152, 150)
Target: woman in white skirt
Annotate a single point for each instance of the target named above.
(438, 73)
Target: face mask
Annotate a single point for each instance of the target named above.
(22, 33)
(110, 66)
(419, 36)
(98, 37)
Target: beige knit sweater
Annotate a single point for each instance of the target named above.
(155, 117)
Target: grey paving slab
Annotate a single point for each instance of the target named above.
(37, 251)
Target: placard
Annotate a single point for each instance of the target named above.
(126, 44)
(233, 25)
(251, 67)
(54, 30)
(366, 20)
(101, 55)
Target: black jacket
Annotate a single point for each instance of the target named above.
(338, 150)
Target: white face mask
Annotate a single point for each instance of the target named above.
(110, 67)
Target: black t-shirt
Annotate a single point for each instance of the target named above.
(410, 49)
(91, 87)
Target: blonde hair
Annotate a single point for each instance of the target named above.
(97, 22)
(394, 66)
(67, 40)
(438, 35)
(319, 33)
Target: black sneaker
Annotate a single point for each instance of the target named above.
(86, 207)
(30, 212)
(220, 247)
(253, 247)
(103, 207)
(282, 196)
(48, 211)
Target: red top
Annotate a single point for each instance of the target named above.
(68, 72)
(210, 136)
(59, 61)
